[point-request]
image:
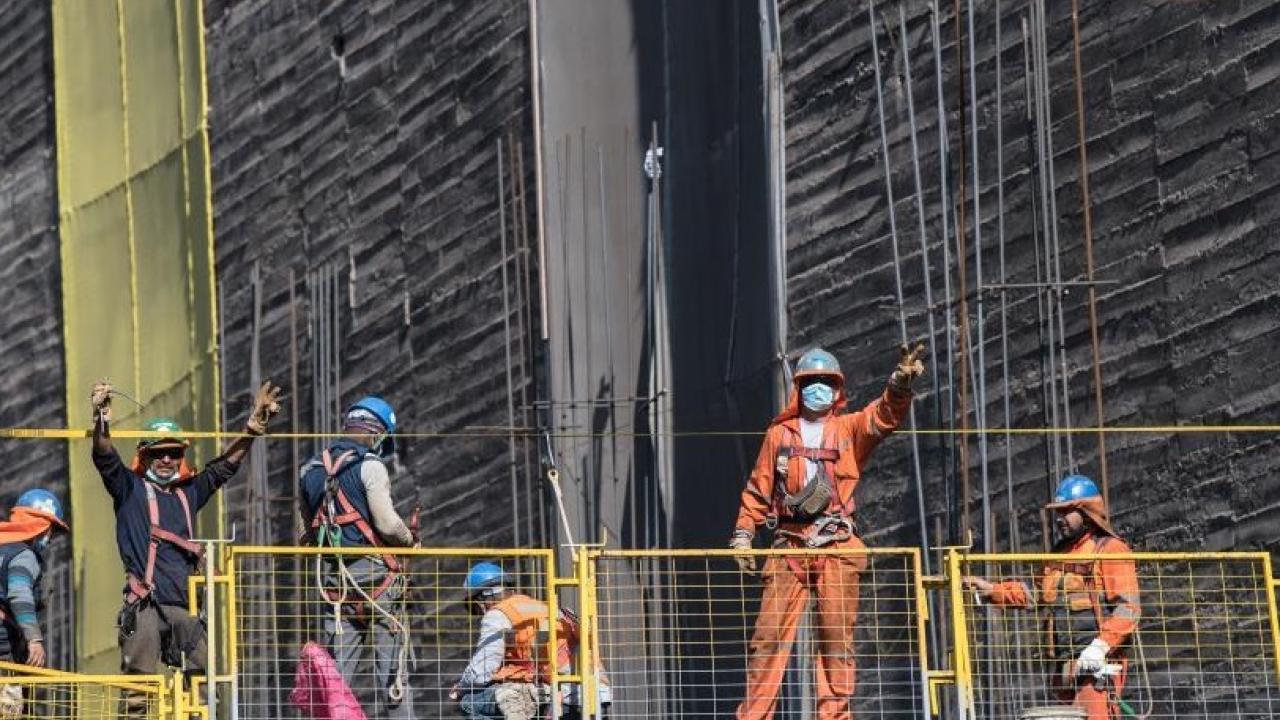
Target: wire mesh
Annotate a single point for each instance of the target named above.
(421, 626)
(1203, 645)
(679, 632)
(80, 697)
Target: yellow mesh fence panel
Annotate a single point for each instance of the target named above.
(399, 655)
(137, 260)
(686, 634)
(66, 696)
(1204, 643)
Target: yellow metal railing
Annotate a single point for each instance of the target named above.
(677, 633)
(1199, 637)
(406, 645)
(27, 692)
(686, 633)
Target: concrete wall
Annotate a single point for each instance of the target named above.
(1180, 105)
(30, 285)
(361, 137)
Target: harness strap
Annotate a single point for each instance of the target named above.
(818, 454)
(328, 516)
(141, 588)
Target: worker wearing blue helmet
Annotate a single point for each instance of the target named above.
(346, 498)
(1091, 608)
(35, 517)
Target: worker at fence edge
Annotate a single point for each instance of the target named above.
(155, 500)
(345, 492)
(35, 517)
(508, 674)
(1092, 608)
(802, 487)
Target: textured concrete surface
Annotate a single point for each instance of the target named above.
(30, 284)
(362, 135)
(1180, 111)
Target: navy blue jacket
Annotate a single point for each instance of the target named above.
(312, 486)
(133, 521)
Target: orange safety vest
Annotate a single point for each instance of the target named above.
(522, 660)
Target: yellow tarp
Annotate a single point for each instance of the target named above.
(137, 254)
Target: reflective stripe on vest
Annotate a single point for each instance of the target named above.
(527, 616)
(141, 588)
(1072, 591)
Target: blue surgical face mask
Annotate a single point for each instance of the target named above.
(41, 542)
(818, 397)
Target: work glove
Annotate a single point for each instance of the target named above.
(741, 540)
(981, 586)
(100, 398)
(1093, 658)
(910, 367)
(265, 406)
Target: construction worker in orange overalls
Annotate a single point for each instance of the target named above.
(1091, 608)
(508, 673)
(802, 487)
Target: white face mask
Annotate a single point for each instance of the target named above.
(818, 397)
(42, 542)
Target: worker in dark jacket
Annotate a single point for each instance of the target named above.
(155, 500)
(346, 498)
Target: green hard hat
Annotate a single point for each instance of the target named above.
(172, 438)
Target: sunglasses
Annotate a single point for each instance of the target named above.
(167, 453)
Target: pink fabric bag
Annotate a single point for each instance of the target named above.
(319, 690)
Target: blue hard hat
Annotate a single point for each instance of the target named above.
(380, 409)
(1074, 488)
(484, 578)
(45, 502)
(818, 362)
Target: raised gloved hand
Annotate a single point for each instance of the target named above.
(741, 540)
(910, 366)
(265, 406)
(1093, 658)
(100, 399)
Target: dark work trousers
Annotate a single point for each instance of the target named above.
(359, 628)
(142, 651)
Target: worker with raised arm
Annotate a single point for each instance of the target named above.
(346, 499)
(802, 487)
(1091, 607)
(155, 498)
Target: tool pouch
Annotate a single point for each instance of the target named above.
(127, 619)
(812, 500)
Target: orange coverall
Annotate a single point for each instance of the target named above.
(1079, 610)
(788, 581)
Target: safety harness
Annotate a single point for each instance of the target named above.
(814, 516)
(141, 588)
(337, 511)
(1087, 598)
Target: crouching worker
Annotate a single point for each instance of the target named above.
(508, 676)
(1091, 607)
(156, 498)
(346, 496)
